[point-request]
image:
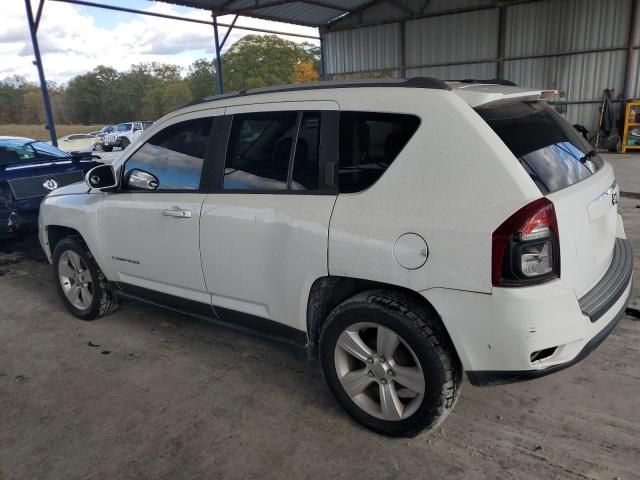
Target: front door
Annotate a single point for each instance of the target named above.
(149, 230)
(264, 230)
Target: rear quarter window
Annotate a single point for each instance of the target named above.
(369, 143)
(552, 152)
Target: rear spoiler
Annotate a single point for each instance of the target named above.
(484, 95)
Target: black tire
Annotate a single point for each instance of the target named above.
(103, 301)
(107, 148)
(124, 143)
(419, 327)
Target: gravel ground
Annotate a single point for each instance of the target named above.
(149, 394)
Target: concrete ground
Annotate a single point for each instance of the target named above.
(149, 394)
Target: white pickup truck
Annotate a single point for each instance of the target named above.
(124, 134)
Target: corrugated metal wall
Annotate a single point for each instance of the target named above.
(578, 47)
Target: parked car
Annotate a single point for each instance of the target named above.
(30, 169)
(103, 131)
(403, 231)
(124, 135)
(79, 142)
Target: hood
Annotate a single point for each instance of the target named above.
(73, 189)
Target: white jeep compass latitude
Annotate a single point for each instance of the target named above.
(403, 231)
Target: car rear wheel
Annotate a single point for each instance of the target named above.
(389, 362)
(81, 285)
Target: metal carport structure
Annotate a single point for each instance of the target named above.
(578, 47)
(313, 13)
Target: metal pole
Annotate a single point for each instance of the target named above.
(226, 35)
(218, 57)
(322, 66)
(628, 74)
(502, 21)
(43, 81)
(403, 50)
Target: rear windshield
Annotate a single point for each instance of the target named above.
(552, 152)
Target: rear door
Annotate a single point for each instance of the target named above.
(264, 229)
(570, 173)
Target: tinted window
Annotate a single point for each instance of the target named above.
(552, 152)
(369, 143)
(175, 155)
(260, 149)
(124, 127)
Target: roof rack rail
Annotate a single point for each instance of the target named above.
(493, 81)
(416, 82)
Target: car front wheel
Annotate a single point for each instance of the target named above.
(389, 362)
(81, 285)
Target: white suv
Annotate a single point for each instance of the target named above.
(123, 135)
(402, 231)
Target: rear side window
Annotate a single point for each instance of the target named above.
(175, 155)
(262, 147)
(369, 143)
(552, 152)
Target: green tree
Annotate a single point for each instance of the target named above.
(33, 111)
(201, 78)
(261, 61)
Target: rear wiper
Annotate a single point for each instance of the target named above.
(588, 155)
(589, 166)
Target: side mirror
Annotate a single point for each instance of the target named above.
(141, 180)
(102, 177)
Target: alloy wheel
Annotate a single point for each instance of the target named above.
(76, 280)
(379, 371)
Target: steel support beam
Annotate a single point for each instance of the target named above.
(628, 73)
(502, 23)
(403, 49)
(38, 62)
(184, 19)
(218, 55)
(226, 35)
(39, 14)
(322, 59)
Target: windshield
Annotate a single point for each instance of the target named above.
(552, 152)
(19, 151)
(123, 127)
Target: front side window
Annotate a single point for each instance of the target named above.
(552, 152)
(174, 156)
(369, 143)
(262, 147)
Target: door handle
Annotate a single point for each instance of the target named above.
(177, 212)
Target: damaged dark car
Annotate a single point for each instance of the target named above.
(29, 170)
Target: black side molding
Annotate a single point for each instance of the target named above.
(224, 317)
(493, 377)
(597, 301)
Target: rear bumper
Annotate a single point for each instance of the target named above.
(481, 378)
(497, 335)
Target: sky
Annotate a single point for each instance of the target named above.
(75, 39)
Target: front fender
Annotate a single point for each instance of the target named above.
(77, 212)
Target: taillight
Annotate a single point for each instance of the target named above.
(526, 247)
